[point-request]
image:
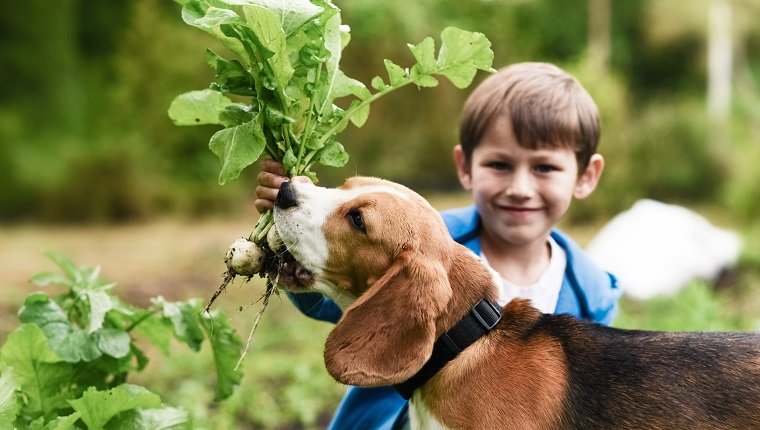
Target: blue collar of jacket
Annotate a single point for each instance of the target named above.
(587, 291)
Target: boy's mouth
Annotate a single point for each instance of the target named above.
(519, 209)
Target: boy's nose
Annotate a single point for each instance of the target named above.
(521, 187)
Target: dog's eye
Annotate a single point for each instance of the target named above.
(356, 221)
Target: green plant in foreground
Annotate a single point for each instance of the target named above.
(286, 81)
(66, 366)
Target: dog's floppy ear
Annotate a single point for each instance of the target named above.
(388, 333)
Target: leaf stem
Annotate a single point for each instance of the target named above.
(147, 315)
(347, 115)
(308, 128)
(265, 222)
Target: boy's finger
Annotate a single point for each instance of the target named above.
(270, 180)
(274, 167)
(263, 205)
(266, 193)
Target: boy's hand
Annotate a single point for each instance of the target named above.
(270, 179)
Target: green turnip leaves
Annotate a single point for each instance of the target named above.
(284, 94)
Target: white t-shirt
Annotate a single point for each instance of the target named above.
(544, 293)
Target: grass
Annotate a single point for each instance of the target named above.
(285, 384)
(697, 307)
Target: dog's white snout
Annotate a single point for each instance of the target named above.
(299, 214)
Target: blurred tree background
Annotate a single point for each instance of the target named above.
(86, 84)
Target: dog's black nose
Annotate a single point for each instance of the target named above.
(286, 197)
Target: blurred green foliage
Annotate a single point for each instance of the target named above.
(285, 384)
(86, 84)
(697, 307)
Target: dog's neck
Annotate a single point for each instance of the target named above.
(470, 281)
(464, 323)
(477, 323)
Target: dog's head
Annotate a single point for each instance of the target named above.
(384, 255)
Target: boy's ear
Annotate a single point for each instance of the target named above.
(463, 168)
(588, 180)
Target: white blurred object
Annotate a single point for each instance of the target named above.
(656, 248)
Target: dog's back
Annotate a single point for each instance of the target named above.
(629, 379)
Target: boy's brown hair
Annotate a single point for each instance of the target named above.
(546, 106)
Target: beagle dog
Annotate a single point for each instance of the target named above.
(384, 255)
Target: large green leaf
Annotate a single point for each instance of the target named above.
(165, 418)
(270, 37)
(462, 54)
(43, 279)
(198, 107)
(194, 13)
(396, 73)
(77, 346)
(237, 148)
(424, 53)
(113, 342)
(333, 43)
(99, 303)
(231, 76)
(226, 347)
(292, 13)
(333, 155)
(186, 320)
(8, 404)
(40, 310)
(156, 330)
(39, 372)
(72, 344)
(98, 407)
(64, 423)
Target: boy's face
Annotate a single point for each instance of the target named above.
(522, 193)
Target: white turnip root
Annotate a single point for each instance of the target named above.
(266, 258)
(244, 258)
(274, 241)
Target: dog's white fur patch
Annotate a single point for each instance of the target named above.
(420, 417)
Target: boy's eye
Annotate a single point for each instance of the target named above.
(545, 168)
(497, 165)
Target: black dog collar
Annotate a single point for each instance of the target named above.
(480, 320)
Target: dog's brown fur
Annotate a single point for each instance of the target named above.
(533, 371)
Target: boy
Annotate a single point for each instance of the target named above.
(528, 139)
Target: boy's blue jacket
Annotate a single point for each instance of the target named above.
(587, 292)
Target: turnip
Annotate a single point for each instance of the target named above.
(244, 258)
